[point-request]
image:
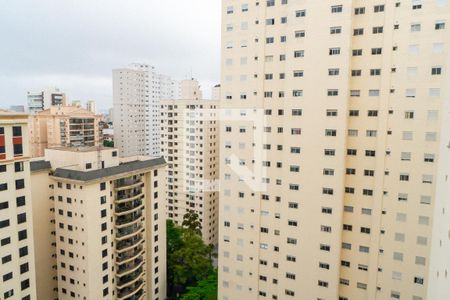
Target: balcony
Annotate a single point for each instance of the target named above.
(128, 280)
(128, 218)
(127, 182)
(129, 231)
(129, 267)
(129, 243)
(128, 206)
(134, 292)
(124, 257)
(129, 195)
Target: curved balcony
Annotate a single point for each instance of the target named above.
(129, 267)
(128, 244)
(129, 231)
(129, 195)
(125, 257)
(128, 280)
(134, 292)
(127, 183)
(127, 206)
(129, 210)
(128, 218)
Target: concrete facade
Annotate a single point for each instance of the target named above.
(190, 145)
(41, 100)
(334, 150)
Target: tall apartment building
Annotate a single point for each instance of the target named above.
(190, 145)
(64, 126)
(99, 225)
(334, 150)
(137, 91)
(17, 272)
(91, 106)
(41, 100)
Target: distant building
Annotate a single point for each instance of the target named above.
(215, 94)
(90, 106)
(38, 101)
(76, 103)
(100, 226)
(137, 91)
(190, 145)
(69, 126)
(17, 267)
(17, 108)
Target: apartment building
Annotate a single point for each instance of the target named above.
(91, 106)
(99, 225)
(41, 100)
(17, 272)
(64, 126)
(137, 91)
(334, 150)
(190, 145)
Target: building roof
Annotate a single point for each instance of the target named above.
(71, 111)
(108, 172)
(40, 165)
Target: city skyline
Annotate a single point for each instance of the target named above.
(83, 68)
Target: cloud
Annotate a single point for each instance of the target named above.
(74, 45)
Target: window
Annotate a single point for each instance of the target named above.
(300, 13)
(336, 9)
(436, 71)
(357, 52)
(333, 72)
(335, 30)
(360, 10)
(377, 29)
(299, 34)
(20, 201)
(439, 25)
(297, 93)
(378, 8)
(415, 27)
(20, 184)
(376, 51)
(358, 31)
(21, 218)
(299, 53)
(333, 92)
(334, 51)
(419, 280)
(298, 73)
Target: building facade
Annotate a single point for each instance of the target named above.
(137, 91)
(17, 266)
(101, 226)
(91, 106)
(334, 150)
(190, 145)
(41, 100)
(64, 126)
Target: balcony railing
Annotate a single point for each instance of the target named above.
(128, 218)
(127, 280)
(125, 256)
(128, 243)
(130, 266)
(133, 292)
(127, 206)
(129, 230)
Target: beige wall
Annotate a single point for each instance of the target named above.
(371, 112)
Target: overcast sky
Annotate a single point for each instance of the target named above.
(75, 44)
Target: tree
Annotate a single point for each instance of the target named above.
(108, 143)
(206, 289)
(188, 259)
(191, 222)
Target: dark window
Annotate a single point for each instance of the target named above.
(4, 223)
(22, 234)
(21, 218)
(18, 166)
(3, 186)
(17, 131)
(105, 279)
(2, 130)
(103, 226)
(20, 201)
(104, 240)
(18, 149)
(104, 253)
(25, 284)
(27, 297)
(105, 292)
(105, 266)
(2, 167)
(8, 294)
(4, 205)
(24, 268)
(88, 166)
(23, 251)
(102, 199)
(6, 259)
(114, 153)
(20, 184)
(5, 241)
(8, 276)
(103, 213)
(102, 186)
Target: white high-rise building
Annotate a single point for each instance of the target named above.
(335, 158)
(40, 100)
(137, 92)
(190, 145)
(91, 106)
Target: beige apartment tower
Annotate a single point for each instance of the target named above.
(99, 225)
(190, 145)
(17, 271)
(335, 156)
(64, 126)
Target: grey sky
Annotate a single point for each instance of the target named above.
(75, 44)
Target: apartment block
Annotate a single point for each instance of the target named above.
(137, 91)
(99, 225)
(41, 100)
(190, 145)
(64, 126)
(91, 106)
(334, 150)
(17, 272)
